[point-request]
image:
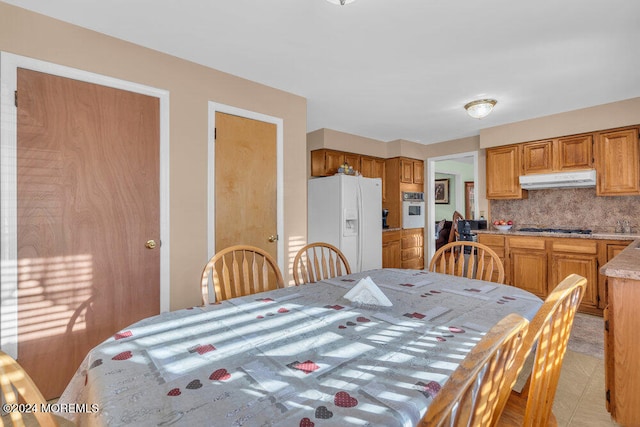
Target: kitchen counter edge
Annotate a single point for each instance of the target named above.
(625, 265)
(597, 236)
(386, 230)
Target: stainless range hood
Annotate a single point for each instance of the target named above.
(574, 179)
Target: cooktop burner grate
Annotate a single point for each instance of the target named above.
(556, 230)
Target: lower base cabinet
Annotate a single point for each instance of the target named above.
(537, 264)
(577, 257)
(412, 249)
(403, 249)
(528, 264)
(391, 249)
(622, 351)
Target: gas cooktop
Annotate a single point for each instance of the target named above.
(556, 230)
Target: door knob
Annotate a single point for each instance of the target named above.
(151, 244)
(273, 238)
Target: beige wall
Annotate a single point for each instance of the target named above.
(605, 116)
(341, 141)
(191, 86)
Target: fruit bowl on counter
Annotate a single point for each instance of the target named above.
(503, 225)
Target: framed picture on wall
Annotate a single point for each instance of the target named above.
(442, 191)
(469, 199)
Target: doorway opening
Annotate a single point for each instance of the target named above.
(455, 173)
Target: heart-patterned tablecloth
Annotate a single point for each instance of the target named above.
(298, 356)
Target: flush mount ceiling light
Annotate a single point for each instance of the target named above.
(480, 108)
(341, 2)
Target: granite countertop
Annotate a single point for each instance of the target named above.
(595, 235)
(391, 229)
(626, 265)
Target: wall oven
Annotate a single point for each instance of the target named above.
(412, 210)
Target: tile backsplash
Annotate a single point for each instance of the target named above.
(569, 208)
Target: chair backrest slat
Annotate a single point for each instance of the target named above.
(481, 263)
(238, 271)
(471, 395)
(14, 382)
(548, 335)
(309, 266)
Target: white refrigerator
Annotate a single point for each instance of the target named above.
(346, 211)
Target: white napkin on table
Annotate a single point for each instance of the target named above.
(367, 292)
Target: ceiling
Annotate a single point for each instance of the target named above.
(394, 69)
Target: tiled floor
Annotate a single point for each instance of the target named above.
(580, 397)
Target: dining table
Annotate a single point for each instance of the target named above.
(297, 356)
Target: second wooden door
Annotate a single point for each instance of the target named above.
(245, 183)
(88, 202)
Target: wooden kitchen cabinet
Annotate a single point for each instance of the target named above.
(617, 161)
(391, 249)
(394, 169)
(326, 162)
(608, 250)
(579, 256)
(558, 155)
(539, 263)
(353, 160)
(537, 157)
(622, 351)
(372, 167)
(418, 172)
(504, 167)
(412, 248)
(573, 153)
(497, 244)
(411, 171)
(528, 264)
(621, 344)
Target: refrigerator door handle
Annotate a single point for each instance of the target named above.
(360, 205)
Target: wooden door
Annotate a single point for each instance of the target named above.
(245, 183)
(88, 200)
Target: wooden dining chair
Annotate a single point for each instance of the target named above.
(471, 394)
(485, 264)
(317, 261)
(238, 271)
(18, 387)
(453, 235)
(549, 332)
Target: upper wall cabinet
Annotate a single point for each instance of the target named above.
(613, 153)
(558, 155)
(411, 171)
(574, 153)
(618, 162)
(326, 162)
(504, 166)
